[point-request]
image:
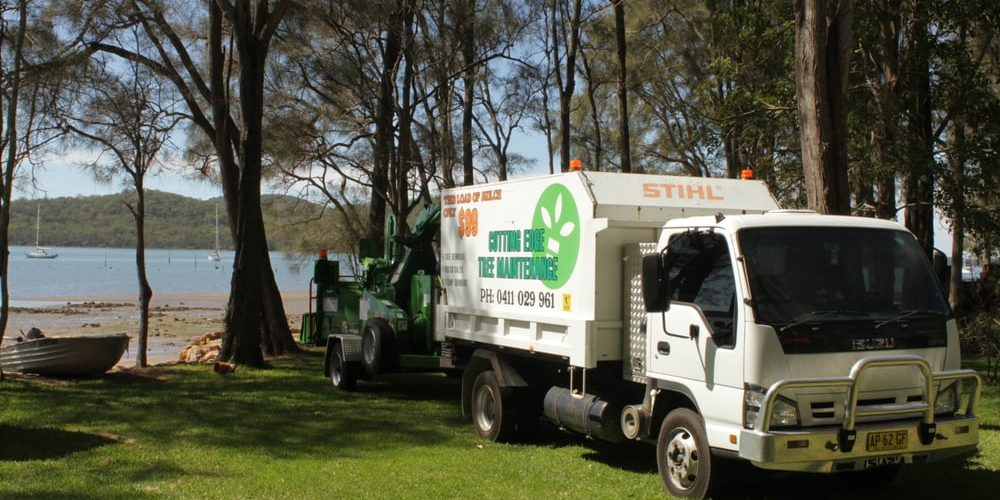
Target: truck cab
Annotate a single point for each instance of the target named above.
(799, 342)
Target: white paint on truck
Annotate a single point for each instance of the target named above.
(524, 263)
(803, 342)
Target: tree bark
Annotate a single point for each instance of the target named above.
(253, 27)
(448, 154)
(885, 140)
(566, 91)
(919, 178)
(385, 134)
(624, 140)
(406, 152)
(11, 162)
(468, 40)
(596, 164)
(145, 291)
(822, 57)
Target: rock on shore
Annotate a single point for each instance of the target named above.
(203, 349)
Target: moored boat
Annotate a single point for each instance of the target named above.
(39, 252)
(65, 356)
(216, 256)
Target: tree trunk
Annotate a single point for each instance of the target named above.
(278, 337)
(624, 141)
(145, 291)
(822, 52)
(468, 30)
(7, 187)
(956, 188)
(245, 312)
(886, 137)
(385, 134)
(448, 153)
(566, 92)
(406, 152)
(594, 116)
(552, 68)
(919, 178)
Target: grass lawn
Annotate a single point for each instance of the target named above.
(182, 431)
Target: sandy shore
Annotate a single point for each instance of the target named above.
(173, 321)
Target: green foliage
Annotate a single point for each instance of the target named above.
(172, 221)
(980, 332)
(711, 90)
(183, 432)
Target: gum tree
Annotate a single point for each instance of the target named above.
(127, 117)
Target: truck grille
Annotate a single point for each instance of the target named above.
(829, 411)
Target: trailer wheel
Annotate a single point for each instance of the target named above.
(682, 455)
(492, 413)
(375, 342)
(343, 374)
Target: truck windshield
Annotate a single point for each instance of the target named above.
(814, 275)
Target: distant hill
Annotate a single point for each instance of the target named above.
(172, 221)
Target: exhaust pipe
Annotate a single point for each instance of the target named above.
(635, 421)
(587, 415)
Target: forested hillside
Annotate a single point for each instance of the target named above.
(172, 221)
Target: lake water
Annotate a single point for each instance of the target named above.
(89, 273)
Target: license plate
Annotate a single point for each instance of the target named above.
(886, 440)
(873, 463)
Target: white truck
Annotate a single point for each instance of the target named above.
(695, 314)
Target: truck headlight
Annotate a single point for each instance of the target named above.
(946, 402)
(784, 414)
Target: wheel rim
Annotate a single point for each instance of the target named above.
(683, 458)
(368, 348)
(336, 369)
(485, 403)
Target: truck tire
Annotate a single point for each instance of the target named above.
(376, 342)
(682, 455)
(343, 374)
(492, 409)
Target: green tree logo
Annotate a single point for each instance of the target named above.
(556, 212)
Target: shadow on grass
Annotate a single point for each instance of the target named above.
(952, 479)
(415, 386)
(41, 443)
(288, 411)
(630, 456)
(955, 478)
(50, 494)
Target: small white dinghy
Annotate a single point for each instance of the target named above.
(72, 356)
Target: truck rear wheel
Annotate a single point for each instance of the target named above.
(343, 374)
(376, 341)
(682, 454)
(492, 408)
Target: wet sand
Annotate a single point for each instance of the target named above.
(173, 320)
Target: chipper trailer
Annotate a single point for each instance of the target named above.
(693, 314)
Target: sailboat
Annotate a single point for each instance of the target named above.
(39, 252)
(214, 256)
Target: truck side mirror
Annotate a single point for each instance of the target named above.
(655, 288)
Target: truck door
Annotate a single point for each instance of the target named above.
(695, 338)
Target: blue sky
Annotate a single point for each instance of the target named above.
(59, 179)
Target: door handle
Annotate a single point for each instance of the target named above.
(663, 348)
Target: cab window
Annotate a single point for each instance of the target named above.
(700, 272)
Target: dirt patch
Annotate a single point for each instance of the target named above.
(174, 320)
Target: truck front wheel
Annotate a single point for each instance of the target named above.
(682, 454)
(492, 413)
